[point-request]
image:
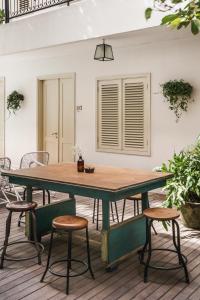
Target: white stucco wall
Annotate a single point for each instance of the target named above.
(82, 20)
(164, 58)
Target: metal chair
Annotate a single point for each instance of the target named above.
(31, 160)
(5, 187)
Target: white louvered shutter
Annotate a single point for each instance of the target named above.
(136, 119)
(2, 119)
(109, 114)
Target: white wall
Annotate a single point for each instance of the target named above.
(84, 19)
(165, 58)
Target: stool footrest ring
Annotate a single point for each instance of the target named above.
(9, 258)
(67, 260)
(164, 268)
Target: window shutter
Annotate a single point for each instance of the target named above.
(136, 108)
(109, 114)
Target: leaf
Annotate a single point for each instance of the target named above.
(168, 19)
(176, 22)
(148, 13)
(195, 26)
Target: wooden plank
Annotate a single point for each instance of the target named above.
(108, 178)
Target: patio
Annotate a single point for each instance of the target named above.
(21, 280)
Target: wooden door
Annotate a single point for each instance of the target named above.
(51, 118)
(2, 118)
(66, 118)
(58, 119)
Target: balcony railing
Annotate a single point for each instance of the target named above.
(18, 8)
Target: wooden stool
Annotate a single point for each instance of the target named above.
(95, 217)
(21, 206)
(137, 199)
(68, 224)
(167, 215)
(137, 202)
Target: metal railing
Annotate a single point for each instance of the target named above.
(17, 8)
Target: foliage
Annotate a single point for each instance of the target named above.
(178, 94)
(183, 13)
(2, 16)
(184, 186)
(14, 101)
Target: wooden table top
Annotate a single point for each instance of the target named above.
(104, 177)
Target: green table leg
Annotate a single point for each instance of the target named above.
(105, 230)
(145, 201)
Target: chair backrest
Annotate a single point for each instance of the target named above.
(5, 164)
(34, 159)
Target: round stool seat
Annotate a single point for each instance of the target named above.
(161, 213)
(68, 222)
(135, 197)
(21, 206)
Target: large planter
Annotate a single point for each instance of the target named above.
(190, 215)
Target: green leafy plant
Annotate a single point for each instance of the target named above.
(2, 16)
(178, 94)
(14, 101)
(184, 186)
(183, 13)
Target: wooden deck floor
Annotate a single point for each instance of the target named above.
(22, 280)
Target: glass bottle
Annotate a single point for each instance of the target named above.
(80, 164)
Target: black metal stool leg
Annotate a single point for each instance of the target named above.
(97, 226)
(123, 210)
(94, 211)
(8, 225)
(22, 214)
(178, 248)
(134, 205)
(35, 239)
(88, 254)
(69, 260)
(149, 252)
(155, 232)
(138, 209)
(49, 196)
(116, 211)
(142, 252)
(112, 213)
(49, 255)
(43, 197)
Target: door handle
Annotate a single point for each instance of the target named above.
(55, 134)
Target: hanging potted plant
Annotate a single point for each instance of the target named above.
(178, 94)
(14, 101)
(183, 189)
(2, 16)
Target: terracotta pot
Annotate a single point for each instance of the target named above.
(190, 215)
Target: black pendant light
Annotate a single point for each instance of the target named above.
(104, 52)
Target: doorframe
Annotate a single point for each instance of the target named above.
(39, 103)
(2, 78)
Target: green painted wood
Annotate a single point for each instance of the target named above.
(45, 215)
(125, 237)
(90, 191)
(145, 201)
(116, 241)
(106, 215)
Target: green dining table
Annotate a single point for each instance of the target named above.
(106, 183)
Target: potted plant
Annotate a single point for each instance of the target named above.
(183, 189)
(178, 95)
(14, 101)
